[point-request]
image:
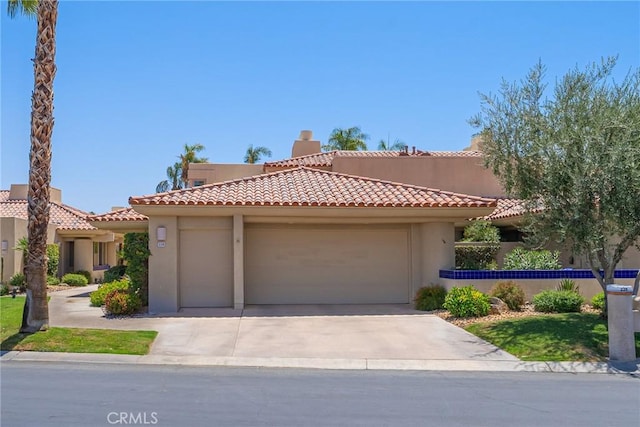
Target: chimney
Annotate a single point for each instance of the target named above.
(305, 145)
(476, 143)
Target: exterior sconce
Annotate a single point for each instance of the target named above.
(161, 236)
(161, 233)
(5, 246)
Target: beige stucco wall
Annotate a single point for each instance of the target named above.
(163, 266)
(236, 260)
(588, 287)
(216, 172)
(458, 174)
(83, 255)
(12, 230)
(437, 250)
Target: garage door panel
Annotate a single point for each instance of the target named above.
(206, 268)
(327, 266)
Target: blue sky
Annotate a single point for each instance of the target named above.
(138, 80)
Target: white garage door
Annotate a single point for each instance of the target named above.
(326, 265)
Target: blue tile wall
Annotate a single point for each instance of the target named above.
(530, 274)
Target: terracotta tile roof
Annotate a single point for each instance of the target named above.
(509, 208)
(125, 214)
(326, 159)
(64, 216)
(312, 187)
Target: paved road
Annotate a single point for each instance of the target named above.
(64, 394)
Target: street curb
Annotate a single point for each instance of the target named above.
(440, 365)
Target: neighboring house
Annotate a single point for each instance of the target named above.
(318, 228)
(509, 215)
(82, 246)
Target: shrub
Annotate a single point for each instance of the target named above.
(97, 297)
(74, 279)
(53, 280)
(114, 273)
(476, 257)
(84, 273)
(467, 302)
(430, 298)
(568, 285)
(18, 281)
(522, 259)
(481, 231)
(4, 290)
(551, 301)
(136, 253)
(597, 302)
(53, 257)
(510, 293)
(120, 302)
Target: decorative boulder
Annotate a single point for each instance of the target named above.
(497, 306)
(636, 303)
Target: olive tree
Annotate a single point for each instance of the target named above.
(573, 155)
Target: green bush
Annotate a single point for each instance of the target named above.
(568, 285)
(467, 302)
(136, 253)
(4, 290)
(52, 280)
(97, 297)
(121, 302)
(74, 279)
(474, 257)
(597, 302)
(481, 231)
(18, 281)
(552, 301)
(84, 273)
(430, 298)
(114, 273)
(510, 293)
(53, 258)
(522, 259)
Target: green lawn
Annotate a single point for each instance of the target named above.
(69, 340)
(555, 337)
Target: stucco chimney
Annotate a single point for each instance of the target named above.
(476, 143)
(20, 192)
(305, 145)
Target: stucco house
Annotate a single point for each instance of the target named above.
(82, 246)
(338, 227)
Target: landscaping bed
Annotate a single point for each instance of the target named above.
(527, 311)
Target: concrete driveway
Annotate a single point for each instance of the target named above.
(306, 331)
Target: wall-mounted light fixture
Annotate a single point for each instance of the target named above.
(5, 246)
(161, 233)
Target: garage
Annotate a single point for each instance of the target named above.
(326, 264)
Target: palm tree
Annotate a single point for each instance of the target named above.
(352, 139)
(397, 145)
(36, 309)
(173, 182)
(254, 154)
(189, 156)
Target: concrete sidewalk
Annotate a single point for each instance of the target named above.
(326, 337)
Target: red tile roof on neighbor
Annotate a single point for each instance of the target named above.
(125, 214)
(63, 216)
(326, 159)
(312, 187)
(509, 208)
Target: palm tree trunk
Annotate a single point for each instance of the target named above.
(36, 309)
